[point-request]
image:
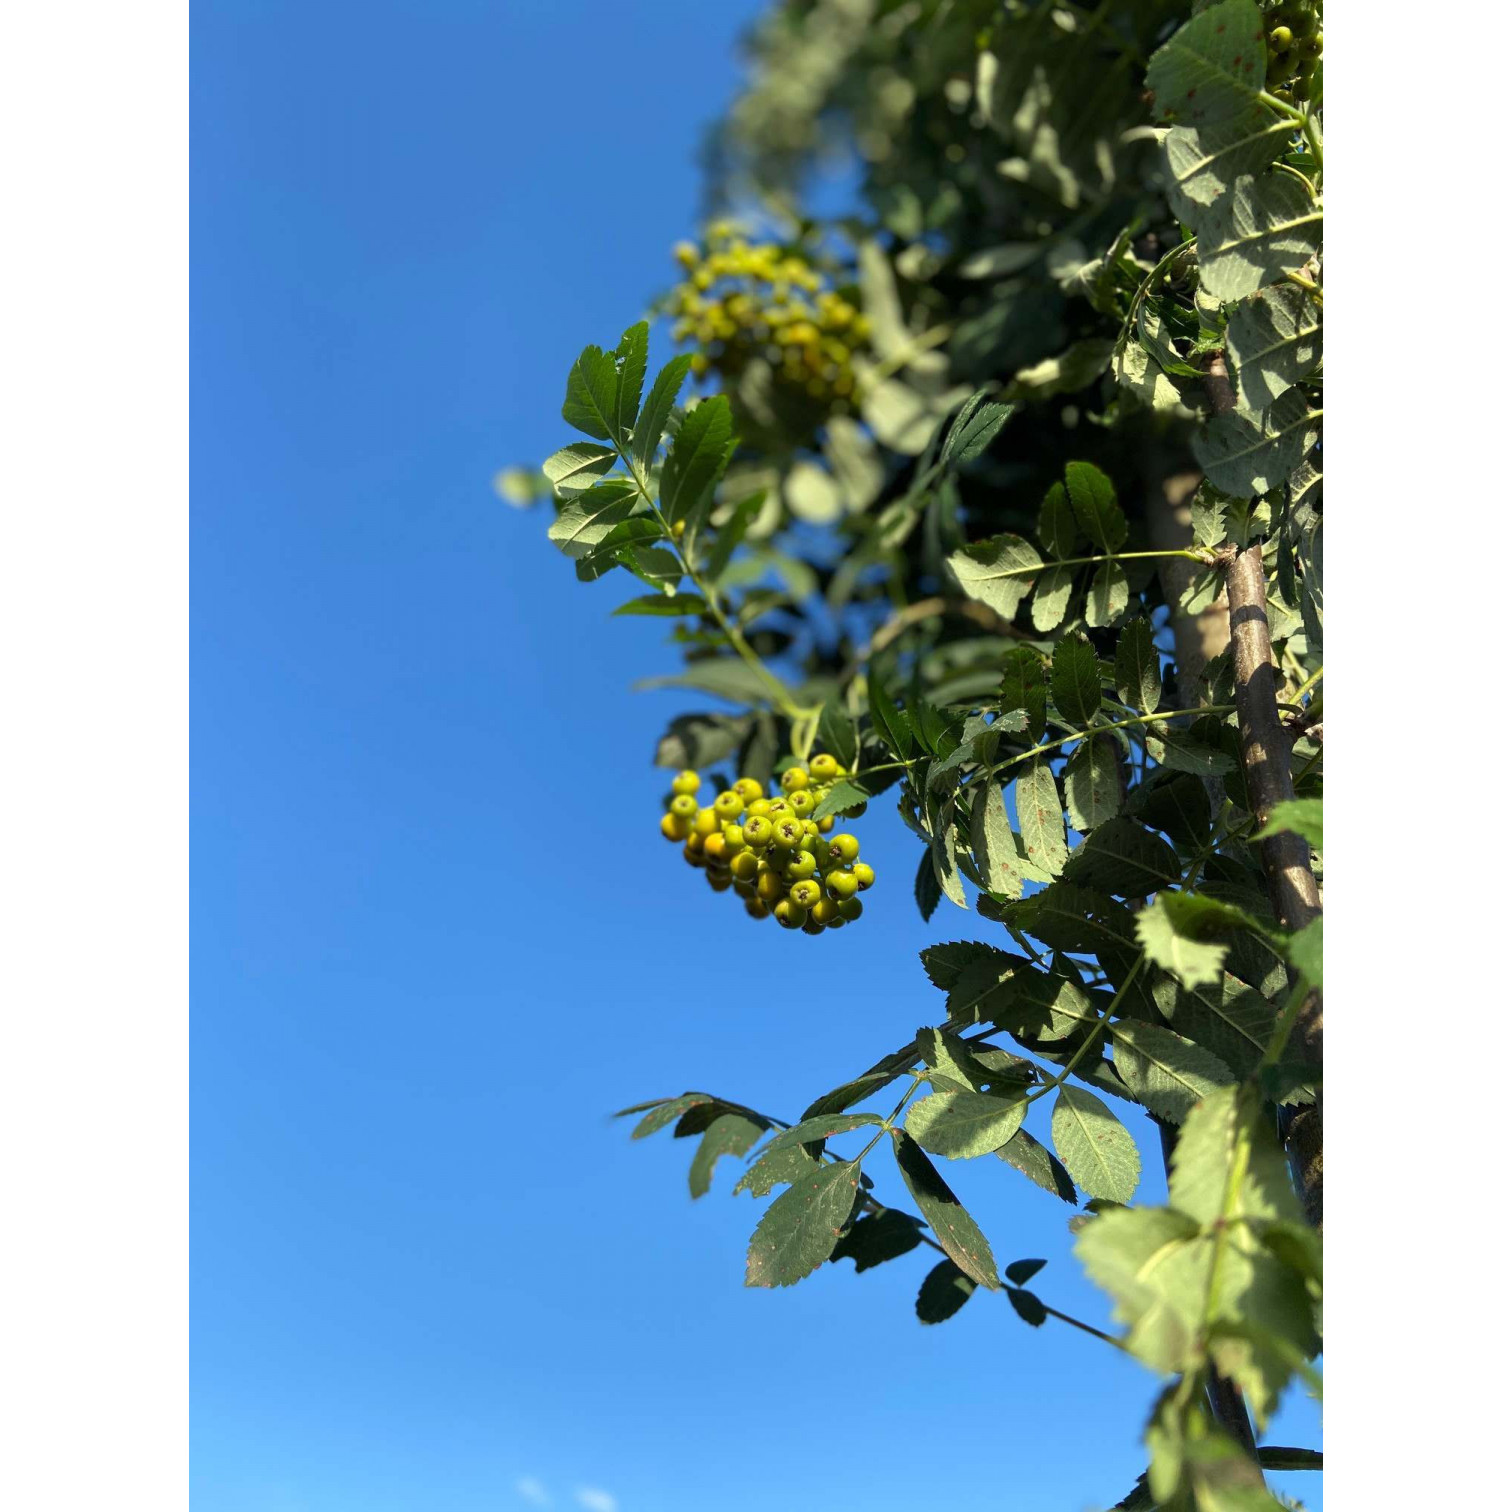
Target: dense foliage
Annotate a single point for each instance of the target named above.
(1009, 506)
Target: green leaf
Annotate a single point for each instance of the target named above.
(658, 408)
(997, 572)
(697, 457)
(1058, 531)
(1166, 1073)
(1136, 667)
(890, 722)
(926, 885)
(1231, 1019)
(1098, 1151)
(975, 428)
(872, 1241)
(799, 1231)
(637, 531)
(980, 990)
(1179, 751)
(1027, 1155)
(1093, 790)
(1245, 453)
(1096, 506)
(729, 1134)
(631, 354)
(944, 964)
(785, 1167)
(837, 733)
(1075, 680)
(667, 1112)
(1191, 960)
(1209, 516)
(1299, 816)
(945, 1291)
(732, 533)
(1027, 1306)
(578, 466)
(587, 521)
(1125, 859)
(1305, 951)
(1021, 1271)
(962, 1124)
(654, 566)
(1203, 161)
(1052, 596)
(1023, 687)
(942, 855)
(992, 843)
(664, 604)
(1274, 341)
(1040, 819)
(1214, 66)
(1266, 226)
(1108, 596)
(724, 676)
(592, 395)
(953, 1226)
(825, 1126)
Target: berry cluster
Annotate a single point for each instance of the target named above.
(740, 302)
(1294, 43)
(769, 851)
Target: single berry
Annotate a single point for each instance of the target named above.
(759, 809)
(810, 927)
(757, 909)
(757, 831)
(850, 909)
(801, 802)
(824, 768)
(804, 894)
(787, 834)
(826, 824)
(863, 874)
(841, 884)
(684, 805)
(845, 847)
(673, 827)
(719, 881)
(744, 889)
(769, 887)
(685, 782)
(734, 838)
(788, 914)
(728, 806)
(802, 865)
(714, 847)
(706, 823)
(824, 910)
(749, 790)
(1281, 39)
(778, 807)
(838, 922)
(745, 865)
(795, 778)
(809, 828)
(693, 857)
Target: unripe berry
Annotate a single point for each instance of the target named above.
(809, 927)
(693, 857)
(714, 847)
(745, 865)
(804, 894)
(845, 847)
(1281, 39)
(863, 874)
(850, 909)
(757, 831)
(769, 887)
(706, 823)
(757, 909)
(673, 827)
(794, 778)
(802, 865)
(760, 808)
(788, 914)
(778, 807)
(826, 824)
(824, 768)
(801, 802)
(719, 881)
(841, 884)
(838, 922)
(744, 889)
(824, 910)
(787, 834)
(684, 805)
(749, 790)
(728, 806)
(734, 838)
(686, 782)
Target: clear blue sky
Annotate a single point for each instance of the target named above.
(436, 936)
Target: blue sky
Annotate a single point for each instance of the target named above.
(436, 937)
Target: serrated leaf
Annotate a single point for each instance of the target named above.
(824, 1126)
(953, 1226)
(1230, 1018)
(1098, 1151)
(974, 428)
(1052, 595)
(992, 842)
(1023, 687)
(1178, 751)
(980, 988)
(889, 721)
(1075, 680)
(944, 1292)
(663, 604)
(1191, 961)
(800, 1229)
(697, 457)
(1203, 161)
(1164, 1071)
(724, 676)
(1136, 667)
(837, 733)
(729, 1134)
(784, 1168)
(1093, 791)
(1245, 453)
(926, 885)
(1058, 531)
(873, 1240)
(1096, 506)
(1040, 819)
(1108, 596)
(668, 1112)
(961, 1124)
(1213, 68)
(592, 395)
(997, 572)
(1125, 859)
(1266, 226)
(942, 855)
(1274, 341)
(652, 423)
(587, 521)
(578, 466)
(1029, 1157)
(631, 355)
(945, 963)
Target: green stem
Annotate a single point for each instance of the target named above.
(1143, 290)
(887, 1124)
(1115, 724)
(1308, 686)
(1086, 1044)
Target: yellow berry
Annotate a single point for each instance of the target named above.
(863, 874)
(685, 782)
(769, 887)
(714, 847)
(749, 789)
(683, 805)
(824, 768)
(793, 778)
(728, 806)
(674, 827)
(745, 865)
(707, 823)
(757, 909)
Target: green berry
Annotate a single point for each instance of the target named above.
(824, 768)
(845, 848)
(795, 778)
(706, 823)
(728, 806)
(809, 927)
(757, 831)
(788, 914)
(756, 908)
(674, 827)
(745, 865)
(685, 782)
(826, 824)
(802, 865)
(694, 857)
(802, 802)
(841, 884)
(749, 790)
(824, 910)
(684, 805)
(804, 894)
(758, 808)
(778, 807)
(1281, 39)
(787, 834)
(863, 874)
(769, 887)
(850, 909)
(718, 880)
(734, 838)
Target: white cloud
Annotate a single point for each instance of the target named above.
(528, 1488)
(596, 1501)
